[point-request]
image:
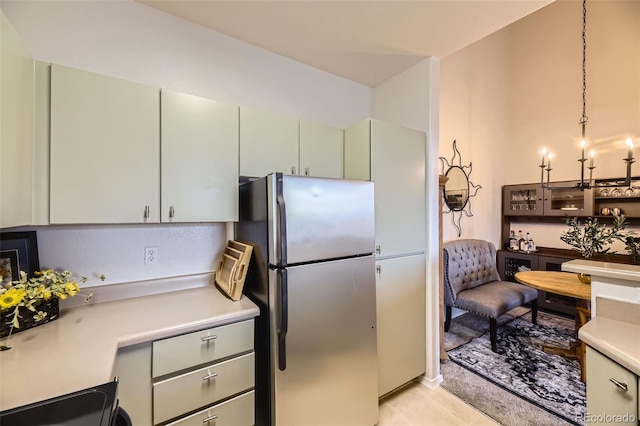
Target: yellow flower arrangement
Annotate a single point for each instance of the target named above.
(31, 292)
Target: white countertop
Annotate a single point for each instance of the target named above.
(77, 350)
(618, 340)
(618, 271)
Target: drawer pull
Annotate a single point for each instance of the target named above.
(621, 385)
(209, 376)
(210, 418)
(208, 338)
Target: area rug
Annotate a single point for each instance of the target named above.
(520, 383)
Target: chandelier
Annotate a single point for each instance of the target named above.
(585, 184)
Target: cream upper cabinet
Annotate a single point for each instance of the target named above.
(199, 155)
(268, 143)
(394, 158)
(321, 149)
(105, 156)
(16, 128)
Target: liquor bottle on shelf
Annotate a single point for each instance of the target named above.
(522, 243)
(513, 241)
(531, 246)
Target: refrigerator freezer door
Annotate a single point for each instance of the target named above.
(324, 368)
(313, 219)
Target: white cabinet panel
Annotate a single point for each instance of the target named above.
(394, 158)
(400, 310)
(105, 135)
(16, 128)
(398, 170)
(187, 350)
(198, 388)
(608, 402)
(320, 150)
(268, 143)
(238, 411)
(199, 154)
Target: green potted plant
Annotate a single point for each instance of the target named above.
(593, 237)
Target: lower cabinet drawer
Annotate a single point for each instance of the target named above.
(199, 388)
(237, 411)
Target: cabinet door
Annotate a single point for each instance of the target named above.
(16, 135)
(199, 159)
(566, 200)
(268, 143)
(357, 151)
(105, 153)
(400, 315)
(606, 398)
(320, 150)
(522, 200)
(398, 170)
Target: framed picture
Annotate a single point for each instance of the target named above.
(18, 252)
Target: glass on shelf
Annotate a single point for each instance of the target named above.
(628, 192)
(604, 192)
(617, 192)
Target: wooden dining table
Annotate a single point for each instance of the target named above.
(565, 284)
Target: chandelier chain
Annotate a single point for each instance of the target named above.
(584, 119)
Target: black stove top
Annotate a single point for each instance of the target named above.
(89, 407)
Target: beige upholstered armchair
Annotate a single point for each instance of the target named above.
(472, 283)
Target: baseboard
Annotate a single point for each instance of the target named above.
(431, 383)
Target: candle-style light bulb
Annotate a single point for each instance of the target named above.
(549, 155)
(630, 149)
(583, 143)
(544, 154)
(592, 155)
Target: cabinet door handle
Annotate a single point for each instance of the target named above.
(378, 269)
(146, 212)
(208, 338)
(209, 376)
(306, 171)
(210, 418)
(171, 212)
(293, 170)
(378, 250)
(621, 385)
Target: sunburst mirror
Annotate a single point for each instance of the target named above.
(458, 190)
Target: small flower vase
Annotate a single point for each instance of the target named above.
(50, 307)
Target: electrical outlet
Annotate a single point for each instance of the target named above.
(150, 255)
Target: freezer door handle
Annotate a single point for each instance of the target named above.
(282, 320)
(282, 220)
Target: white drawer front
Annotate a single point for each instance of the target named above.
(237, 411)
(202, 387)
(200, 347)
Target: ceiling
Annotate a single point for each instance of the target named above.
(366, 41)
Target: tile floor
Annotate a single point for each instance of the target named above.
(417, 405)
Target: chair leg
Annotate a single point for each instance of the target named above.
(447, 319)
(493, 333)
(534, 311)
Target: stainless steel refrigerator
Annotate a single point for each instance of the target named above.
(313, 277)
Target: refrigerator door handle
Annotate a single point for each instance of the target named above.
(282, 319)
(282, 220)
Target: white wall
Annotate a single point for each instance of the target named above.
(128, 40)
(545, 88)
(411, 99)
(474, 111)
(509, 95)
